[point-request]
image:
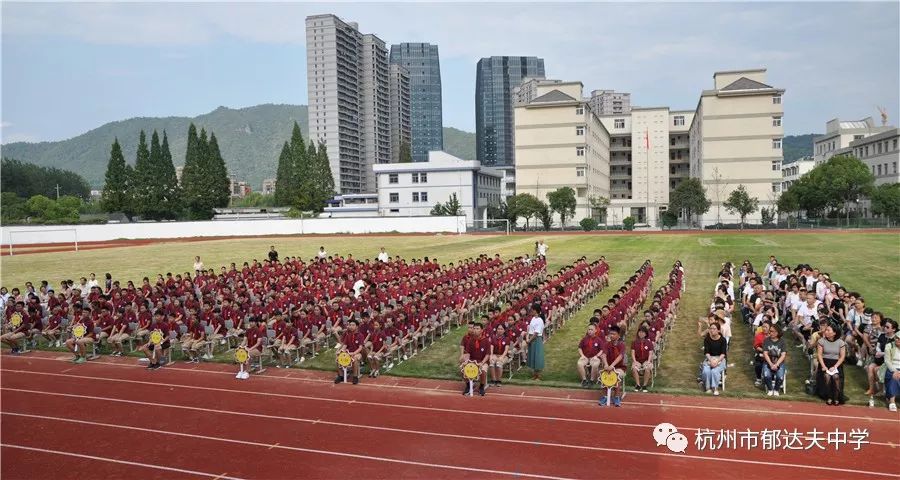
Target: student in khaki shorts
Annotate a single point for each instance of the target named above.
(288, 346)
(590, 350)
(194, 340)
(119, 335)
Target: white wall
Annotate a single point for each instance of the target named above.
(230, 228)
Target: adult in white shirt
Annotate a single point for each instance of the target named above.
(535, 340)
(542, 249)
(321, 254)
(198, 265)
(382, 256)
(92, 282)
(358, 287)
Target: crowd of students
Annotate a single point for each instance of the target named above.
(516, 334)
(286, 309)
(832, 326)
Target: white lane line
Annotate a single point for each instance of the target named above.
(348, 425)
(660, 404)
(415, 407)
(285, 447)
(121, 462)
(600, 449)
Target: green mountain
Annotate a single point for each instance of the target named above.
(459, 143)
(797, 146)
(250, 140)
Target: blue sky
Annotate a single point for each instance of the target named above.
(70, 67)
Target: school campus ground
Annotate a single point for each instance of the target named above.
(867, 262)
(111, 418)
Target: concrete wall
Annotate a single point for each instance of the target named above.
(236, 228)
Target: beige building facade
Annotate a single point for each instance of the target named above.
(649, 157)
(736, 139)
(559, 142)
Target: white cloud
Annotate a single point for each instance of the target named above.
(5, 124)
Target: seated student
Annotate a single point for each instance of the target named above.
(499, 354)
(193, 340)
(463, 354)
(889, 331)
(590, 350)
(353, 343)
(478, 349)
(614, 361)
(287, 347)
(831, 352)
(14, 335)
(120, 334)
(714, 349)
(378, 347)
(79, 346)
(642, 353)
(253, 342)
(774, 355)
(54, 327)
(891, 374)
(762, 332)
(153, 352)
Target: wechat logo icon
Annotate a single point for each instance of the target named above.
(666, 434)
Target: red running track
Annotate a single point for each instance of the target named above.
(111, 418)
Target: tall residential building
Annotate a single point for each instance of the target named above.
(649, 157)
(839, 134)
(735, 139)
(610, 102)
(347, 83)
(376, 109)
(400, 111)
(422, 62)
(528, 90)
(561, 143)
(495, 79)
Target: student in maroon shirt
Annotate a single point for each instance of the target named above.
(52, 330)
(500, 344)
(478, 349)
(84, 342)
(463, 354)
(352, 342)
(590, 351)
(614, 361)
(253, 340)
(642, 360)
(157, 322)
(378, 347)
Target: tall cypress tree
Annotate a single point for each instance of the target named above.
(220, 184)
(192, 174)
(115, 197)
(169, 182)
(284, 178)
(152, 203)
(302, 183)
(324, 178)
(143, 171)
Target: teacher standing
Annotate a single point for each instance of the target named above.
(535, 343)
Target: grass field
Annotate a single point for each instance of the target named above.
(864, 262)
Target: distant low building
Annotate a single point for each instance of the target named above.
(791, 172)
(268, 186)
(239, 189)
(352, 205)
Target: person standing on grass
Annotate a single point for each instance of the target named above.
(774, 355)
(321, 255)
(383, 256)
(542, 249)
(714, 348)
(536, 343)
(198, 265)
(831, 353)
(273, 254)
